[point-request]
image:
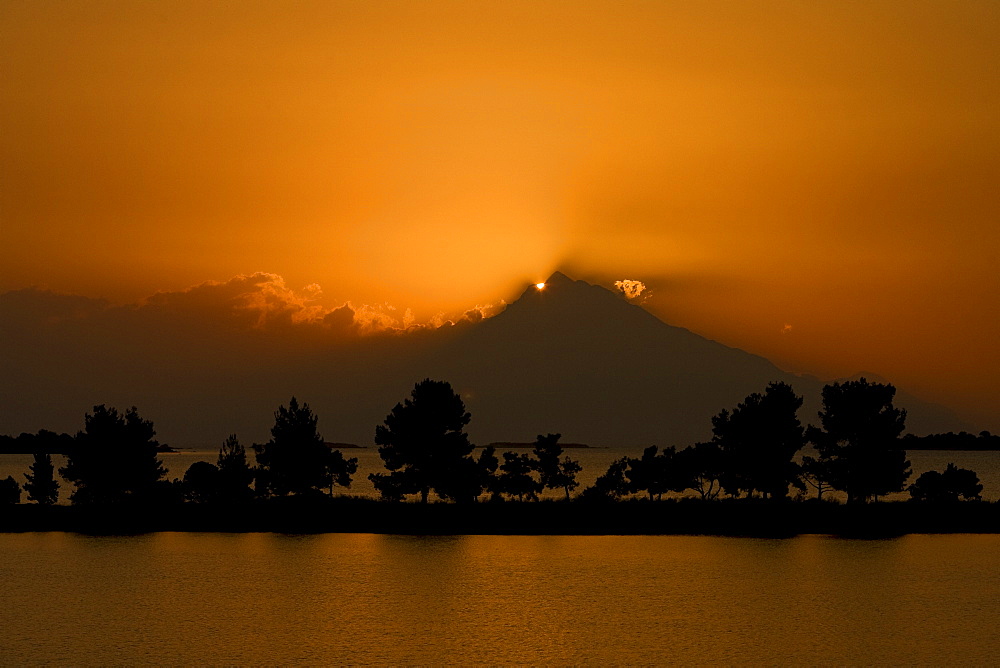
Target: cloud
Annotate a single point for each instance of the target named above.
(260, 300)
(378, 318)
(631, 289)
(260, 304)
(264, 302)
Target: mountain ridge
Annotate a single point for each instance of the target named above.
(569, 357)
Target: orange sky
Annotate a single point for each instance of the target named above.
(832, 167)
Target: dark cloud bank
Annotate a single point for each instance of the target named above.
(219, 357)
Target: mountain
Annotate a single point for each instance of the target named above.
(579, 359)
(569, 357)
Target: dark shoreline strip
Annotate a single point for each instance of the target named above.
(347, 515)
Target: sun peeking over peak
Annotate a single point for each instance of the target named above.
(539, 286)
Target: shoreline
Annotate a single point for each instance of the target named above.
(750, 518)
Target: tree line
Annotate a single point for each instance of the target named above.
(425, 449)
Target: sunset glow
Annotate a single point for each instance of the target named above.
(275, 388)
(828, 164)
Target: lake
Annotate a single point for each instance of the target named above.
(185, 598)
(595, 462)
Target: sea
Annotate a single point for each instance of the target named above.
(366, 599)
(177, 598)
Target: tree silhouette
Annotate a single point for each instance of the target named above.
(859, 442)
(201, 483)
(339, 470)
(656, 474)
(468, 478)
(10, 491)
(817, 474)
(50, 442)
(646, 473)
(115, 459)
(296, 460)
(486, 469)
(423, 445)
(759, 439)
(946, 486)
(235, 473)
(701, 467)
(610, 485)
(555, 473)
(41, 485)
(516, 479)
(397, 485)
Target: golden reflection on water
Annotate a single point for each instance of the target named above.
(361, 598)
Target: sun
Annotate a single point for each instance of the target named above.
(540, 286)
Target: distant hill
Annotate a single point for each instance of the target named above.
(572, 358)
(504, 445)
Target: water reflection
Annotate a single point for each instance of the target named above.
(277, 599)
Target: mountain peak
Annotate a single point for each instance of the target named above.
(557, 278)
(565, 287)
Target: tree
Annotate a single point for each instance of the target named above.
(700, 466)
(115, 459)
(472, 477)
(655, 473)
(423, 443)
(339, 470)
(296, 460)
(611, 485)
(646, 473)
(201, 483)
(486, 468)
(10, 491)
(516, 479)
(235, 473)
(859, 443)
(758, 440)
(41, 485)
(946, 486)
(817, 474)
(395, 486)
(555, 473)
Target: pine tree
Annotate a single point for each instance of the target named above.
(235, 473)
(423, 444)
(41, 485)
(114, 459)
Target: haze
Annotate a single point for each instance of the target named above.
(814, 183)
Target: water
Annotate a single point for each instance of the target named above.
(182, 598)
(595, 462)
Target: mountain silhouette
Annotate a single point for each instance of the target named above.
(570, 358)
(579, 359)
